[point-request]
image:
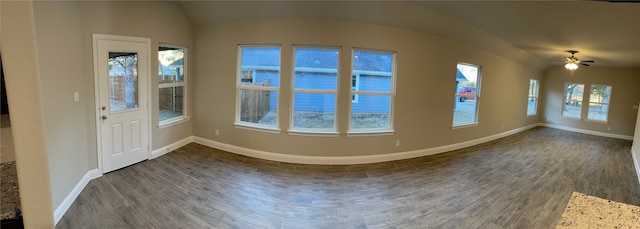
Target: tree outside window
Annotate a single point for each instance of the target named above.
(599, 103)
(532, 102)
(572, 106)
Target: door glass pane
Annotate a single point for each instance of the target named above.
(123, 81)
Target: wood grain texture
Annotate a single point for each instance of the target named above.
(521, 181)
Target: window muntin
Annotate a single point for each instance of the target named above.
(172, 86)
(315, 85)
(374, 90)
(599, 102)
(467, 94)
(572, 106)
(532, 101)
(258, 80)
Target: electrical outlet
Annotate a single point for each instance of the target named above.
(76, 97)
(397, 143)
(501, 126)
(217, 132)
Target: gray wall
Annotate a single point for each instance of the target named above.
(64, 38)
(426, 70)
(624, 95)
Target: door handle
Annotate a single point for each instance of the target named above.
(104, 117)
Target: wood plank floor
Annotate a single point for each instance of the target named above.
(521, 181)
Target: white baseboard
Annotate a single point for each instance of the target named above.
(636, 162)
(171, 147)
(66, 203)
(583, 131)
(341, 160)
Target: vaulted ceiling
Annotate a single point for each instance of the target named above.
(536, 32)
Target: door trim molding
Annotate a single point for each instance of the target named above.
(96, 84)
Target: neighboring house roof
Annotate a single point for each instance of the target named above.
(171, 68)
(178, 63)
(460, 77)
(317, 58)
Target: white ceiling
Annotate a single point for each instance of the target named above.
(535, 32)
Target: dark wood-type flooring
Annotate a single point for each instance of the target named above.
(521, 181)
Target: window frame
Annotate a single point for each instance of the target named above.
(184, 84)
(477, 96)
(391, 93)
(239, 87)
(294, 90)
(608, 104)
(564, 101)
(535, 96)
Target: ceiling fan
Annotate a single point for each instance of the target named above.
(572, 61)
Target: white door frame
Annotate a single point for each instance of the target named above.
(96, 83)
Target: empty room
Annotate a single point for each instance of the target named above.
(322, 114)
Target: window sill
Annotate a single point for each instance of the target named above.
(298, 132)
(464, 125)
(173, 121)
(370, 133)
(531, 115)
(574, 118)
(261, 128)
(596, 121)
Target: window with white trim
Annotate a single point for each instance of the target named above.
(467, 94)
(315, 89)
(532, 101)
(373, 94)
(599, 103)
(572, 107)
(172, 86)
(258, 83)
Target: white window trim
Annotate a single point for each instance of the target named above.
(536, 95)
(476, 120)
(239, 87)
(312, 131)
(185, 75)
(392, 92)
(564, 101)
(608, 104)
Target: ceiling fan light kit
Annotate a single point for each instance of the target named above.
(572, 61)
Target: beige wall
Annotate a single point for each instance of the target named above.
(624, 95)
(64, 35)
(23, 78)
(426, 68)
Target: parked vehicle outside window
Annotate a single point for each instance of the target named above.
(466, 93)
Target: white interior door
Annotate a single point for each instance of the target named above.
(122, 75)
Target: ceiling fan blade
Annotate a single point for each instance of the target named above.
(584, 64)
(587, 61)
